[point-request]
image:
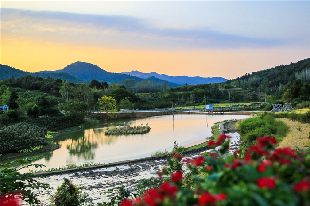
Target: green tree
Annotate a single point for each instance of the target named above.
(66, 90)
(95, 83)
(5, 95)
(126, 104)
(104, 85)
(12, 101)
(108, 105)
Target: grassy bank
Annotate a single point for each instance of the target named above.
(263, 125)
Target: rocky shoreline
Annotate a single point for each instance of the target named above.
(97, 180)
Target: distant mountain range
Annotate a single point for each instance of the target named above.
(85, 72)
(182, 80)
(7, 72)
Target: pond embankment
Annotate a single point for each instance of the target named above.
(131, 115)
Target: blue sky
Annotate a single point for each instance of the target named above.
(202, 38)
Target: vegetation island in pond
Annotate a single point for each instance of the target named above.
(128, 130)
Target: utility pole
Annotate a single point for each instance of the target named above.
(172, 110)
(204, 96)
(229, 101)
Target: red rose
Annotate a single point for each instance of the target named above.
(137, 201)
(160, 175)
(169, 188)
(214, 155)
(268, 182)
(301, 186)
(198, 161)
(177, 176)
(211, 142)
(126, 202)
(177, 156)
(206, 198)
(221, 139)
(263, 165)
(248, 157)
(220, 197)
(10, 199)
(152, 196)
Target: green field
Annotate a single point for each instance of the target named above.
(218, 105)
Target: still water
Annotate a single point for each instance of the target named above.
(93, 146)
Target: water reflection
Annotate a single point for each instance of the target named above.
(92, 144)
(83, 147)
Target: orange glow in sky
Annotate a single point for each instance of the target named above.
(34, 57)
(208, 39)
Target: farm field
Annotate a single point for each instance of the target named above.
(298, 136)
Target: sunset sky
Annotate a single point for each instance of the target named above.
(193, 38)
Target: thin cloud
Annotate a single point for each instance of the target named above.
(121, 30)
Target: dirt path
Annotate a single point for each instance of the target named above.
(297, 136)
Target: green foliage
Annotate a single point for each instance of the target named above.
(13, 182)
(128, 130)
(5, 95)
(68, 194)
(21, 136)
(262, 175)
(58, 123)
(121, 193)
(108, 105)
(146, 184)
(12, 101)
(266, 124)
(176, 150)
(126, 104)
(298, 91)
(33, 111)
(304, 118)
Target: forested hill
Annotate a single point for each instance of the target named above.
(87, 71)
(7, 72)
(276, 76)
(83, 72)
(181, 80)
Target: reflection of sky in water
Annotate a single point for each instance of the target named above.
(92, 145)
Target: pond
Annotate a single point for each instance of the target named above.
(93, 146)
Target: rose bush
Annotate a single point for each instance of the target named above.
(260, 175)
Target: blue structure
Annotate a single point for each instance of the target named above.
(4, 108)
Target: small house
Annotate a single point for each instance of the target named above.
(4, 108)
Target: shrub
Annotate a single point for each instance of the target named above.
(58, 123)
(67, 194)
(21, 136)
(266, 124)
(261, 175)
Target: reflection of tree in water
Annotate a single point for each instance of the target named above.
(102, 138)
(47, 156)
(84, 146)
